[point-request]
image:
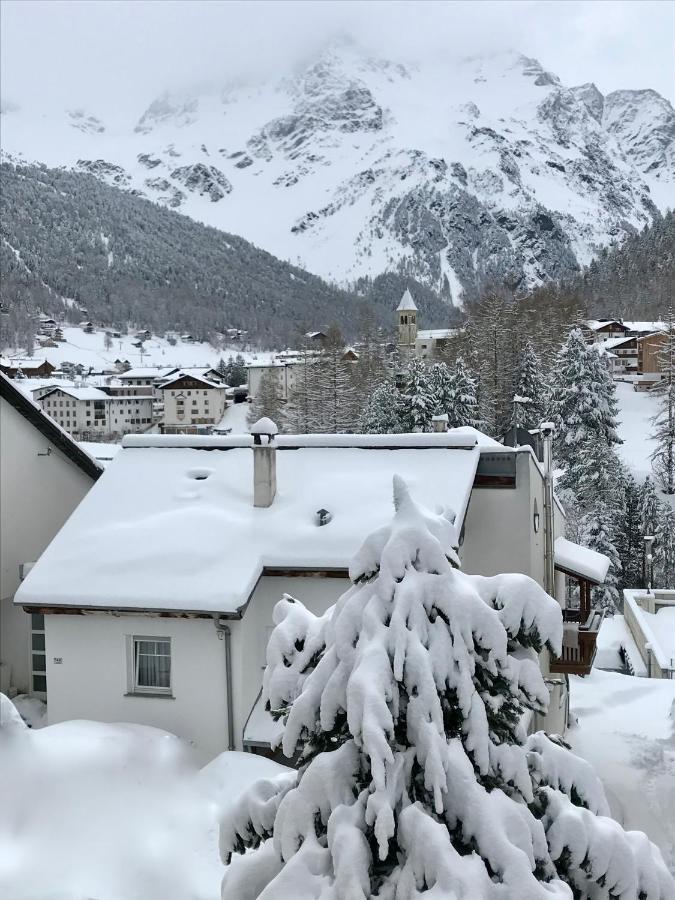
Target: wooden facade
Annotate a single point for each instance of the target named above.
(648, 348)
(581, 628)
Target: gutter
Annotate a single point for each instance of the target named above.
(224, 634)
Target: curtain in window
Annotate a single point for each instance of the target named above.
(153, 664)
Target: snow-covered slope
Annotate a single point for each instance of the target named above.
(460, 174)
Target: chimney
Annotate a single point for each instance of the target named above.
(264, 462)
(547, 430)
(440, 423)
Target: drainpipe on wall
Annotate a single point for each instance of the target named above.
(225, 635)
(547, 430)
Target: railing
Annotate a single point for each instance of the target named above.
(577, 658)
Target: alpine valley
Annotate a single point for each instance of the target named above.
(460, 175)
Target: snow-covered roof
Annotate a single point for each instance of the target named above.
(597, 324)
(80, 393)
(646, 327)
(611, 343)
(171, 524)
(581, 561)
(148, 372)
(435, 334)
(407, 302)
(23, 362)
(172, 379)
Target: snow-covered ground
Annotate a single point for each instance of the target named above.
(235, 420)
(636, 410)
(89, 350)
(626, 730)
(615, 634)
(112, 812)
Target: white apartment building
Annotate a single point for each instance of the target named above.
(191, 400)
(87, 412)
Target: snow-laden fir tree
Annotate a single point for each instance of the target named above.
(531, 383)
(417, 778)
(664, 548)
(594, 475)
(649, 508)
(419, 393)
(663, 457)
(268, 402)
(383, 412)
(583, 400)
(628, 539)
(597, 533)
(455, 392)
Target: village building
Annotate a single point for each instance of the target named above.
(44, 475)
(191, 402)
(89, 412)
(621, 354)
(26, 367)
(648, 359)
(421, 343)
(157, 594)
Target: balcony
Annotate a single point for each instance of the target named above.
(579, 642)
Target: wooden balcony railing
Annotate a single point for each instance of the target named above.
(579, 643)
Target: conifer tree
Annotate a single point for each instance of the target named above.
(597, 533)
(628, 539)
(584, 400)
(330, 389)
(456, 393)
(268, 401)
(300, 417)
(530, 383)
(416, 777)
(649, 508)
(664, 548)
(383, 412)
(663, 457)
(419, 393)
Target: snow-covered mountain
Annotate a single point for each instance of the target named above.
(459, 174)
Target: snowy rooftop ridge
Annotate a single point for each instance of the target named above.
(447, 440)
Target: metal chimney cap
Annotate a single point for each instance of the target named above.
(547, 427)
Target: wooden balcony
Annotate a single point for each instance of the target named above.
(579, 642)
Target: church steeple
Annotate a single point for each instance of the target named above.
(407, 323)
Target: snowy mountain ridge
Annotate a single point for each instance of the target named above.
(459, 175)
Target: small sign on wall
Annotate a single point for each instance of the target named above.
(58, 660)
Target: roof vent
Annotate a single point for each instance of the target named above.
(323, 517)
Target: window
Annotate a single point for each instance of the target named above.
(38, 657)
(152, 665)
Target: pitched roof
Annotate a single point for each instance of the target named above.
(176, 515)
(580, 561)
(407, 302)
(48, 428)
(79, 393)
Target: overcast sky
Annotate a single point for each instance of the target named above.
(101, 52)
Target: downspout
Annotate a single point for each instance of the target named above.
(547, 429)
(225, 635)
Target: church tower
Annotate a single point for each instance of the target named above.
(407, 324)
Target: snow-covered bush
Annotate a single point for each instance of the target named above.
(417, 779)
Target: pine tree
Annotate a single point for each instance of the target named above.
(530, 382)
(419, 393)
(649, 508)
(416, 776)
(300, 418)
(663, 457)
(330, 389)
(383, 412)
(597, 532)
(268, 401)
(455, 393)
(664, 548)
(584, 400)
(628, 539)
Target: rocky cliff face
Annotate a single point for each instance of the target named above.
(461, 175)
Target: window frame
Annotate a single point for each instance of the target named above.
(137, 689)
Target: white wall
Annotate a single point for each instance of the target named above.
(250, 634)
(37, 495)
(92, 680)
(209, 407)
